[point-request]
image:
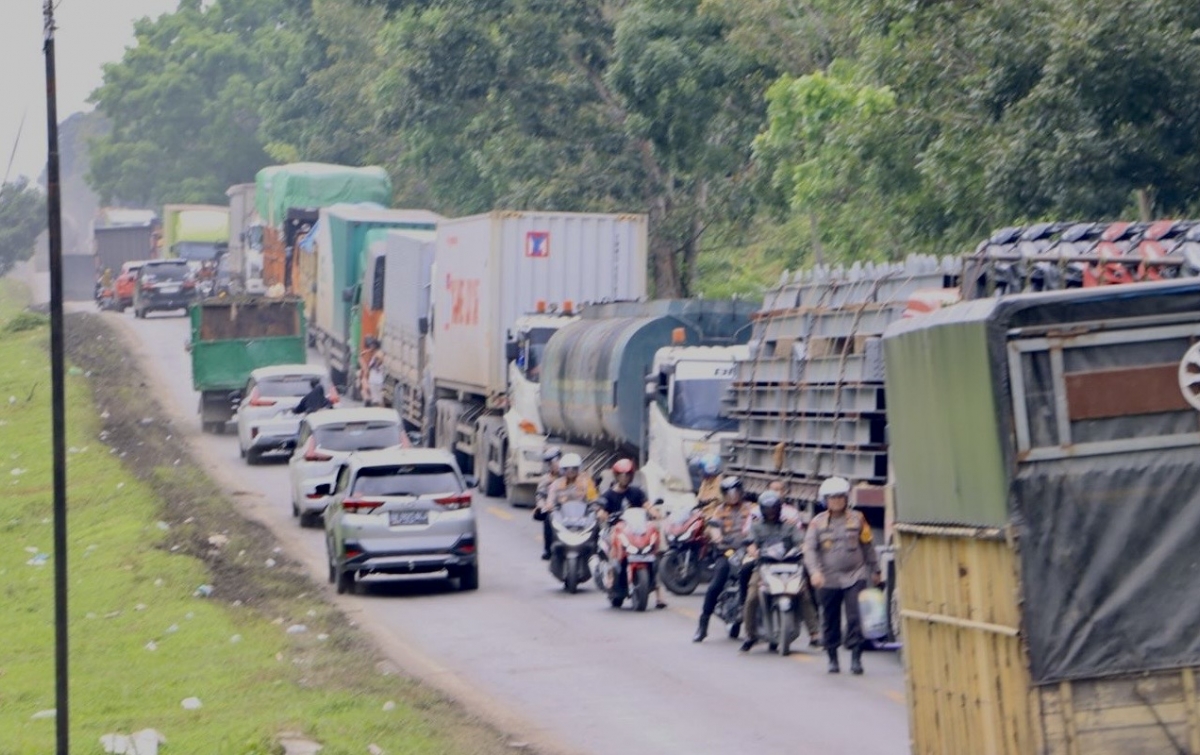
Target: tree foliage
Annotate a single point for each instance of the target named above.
(22, 218)
(756, 133)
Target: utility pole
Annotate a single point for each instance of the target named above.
(57, 394)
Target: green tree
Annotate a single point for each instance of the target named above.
(22, 218)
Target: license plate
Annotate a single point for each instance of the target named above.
(169, 290)
(405, 518)
(640, 559)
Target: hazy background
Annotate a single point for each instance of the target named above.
(90, 34)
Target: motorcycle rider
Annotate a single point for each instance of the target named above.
(315, 399)
(571, 486)
(840, 554)
(621, 496)
(726, 525)
(769, 528)
(709, 493)
(540, 510)
(808, 607)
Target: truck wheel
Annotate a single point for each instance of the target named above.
(489, 432)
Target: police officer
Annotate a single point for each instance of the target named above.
(840, 554)
(709, 493)
(767, 530)
(726, 528)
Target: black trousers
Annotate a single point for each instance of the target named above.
(721, 574)
(547, 534)
(833, 600)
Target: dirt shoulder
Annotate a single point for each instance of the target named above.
(154, 447)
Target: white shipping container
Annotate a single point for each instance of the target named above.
(241, 216)
(493, 268)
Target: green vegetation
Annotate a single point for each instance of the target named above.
(758, 134)
(22, 218)
(14, 297)
(142, 520)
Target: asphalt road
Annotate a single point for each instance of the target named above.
(561, 672)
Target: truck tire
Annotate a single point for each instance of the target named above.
(486, 432)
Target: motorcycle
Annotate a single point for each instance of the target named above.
(690, 558)
(780, 576)
(627, 559)
(729, 604)
(574, 527)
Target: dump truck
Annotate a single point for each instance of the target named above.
(288, 199)
(196, 233)
(233, 336)
(1047, 503)
(339, 259)
(494, 284)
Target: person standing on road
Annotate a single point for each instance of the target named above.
(315, 399)
(571, 486)
(621, 496)
(540, 512)
(840, 554)
(726, 527)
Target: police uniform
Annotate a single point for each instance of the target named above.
(842, 549)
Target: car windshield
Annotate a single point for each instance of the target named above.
(164, 272)
(536, 341)
(697, 405)
(407, 480)
(358, 436)
(283, 386)
(196, 252)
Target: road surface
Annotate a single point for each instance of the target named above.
(562, 672)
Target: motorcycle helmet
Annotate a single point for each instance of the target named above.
(732, 482)
(833, 486)
(623, 466)
(570, 461)
(552, 453)
(770, 504)
(711, 465)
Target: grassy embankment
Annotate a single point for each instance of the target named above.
(142, 525)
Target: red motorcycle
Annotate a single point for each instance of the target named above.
(628, 558)
(690, 558)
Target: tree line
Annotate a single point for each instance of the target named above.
(758, 134)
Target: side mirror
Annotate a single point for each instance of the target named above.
(512, 350)
(651, 390)
(348, 294)
(235, 397)
(470, 481)
(324, 488)
(423, 325)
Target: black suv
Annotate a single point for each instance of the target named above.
(162, 285)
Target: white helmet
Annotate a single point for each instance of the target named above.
(570, 461)
(834, 486)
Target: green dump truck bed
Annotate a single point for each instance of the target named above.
(233, 337)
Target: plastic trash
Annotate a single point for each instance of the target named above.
(297, 629)
(44, 714)
(191, 703)
(203, 591)
(872, 608)
(144, 742)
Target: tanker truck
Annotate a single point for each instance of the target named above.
(636, 380)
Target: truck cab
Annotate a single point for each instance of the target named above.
(522, 419)
(685, 391)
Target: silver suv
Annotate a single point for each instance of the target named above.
(401, 512)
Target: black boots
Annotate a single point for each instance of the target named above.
(702, 628)
(745, 648)
(834, 668)
(856, 661)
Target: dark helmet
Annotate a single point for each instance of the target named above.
(732, 482)
(770, 504)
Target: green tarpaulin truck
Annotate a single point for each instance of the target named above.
(232, 337)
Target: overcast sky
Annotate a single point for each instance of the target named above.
(90, 34)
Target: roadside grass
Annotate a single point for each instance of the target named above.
(146, 529)
(13, 298)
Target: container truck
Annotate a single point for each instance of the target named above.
(288, 198)
(195, 233)
(245, 259)
(120, 235)
(1048, 506)
(340, 251)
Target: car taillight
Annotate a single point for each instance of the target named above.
(454, 502)
(311, 453)
(359, 506)
(465, 549)
(257, 400)
(189, 284)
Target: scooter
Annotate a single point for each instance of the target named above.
(729, 604)
(780, 577)
(690, 558)
(574, 527)
(627, 559)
